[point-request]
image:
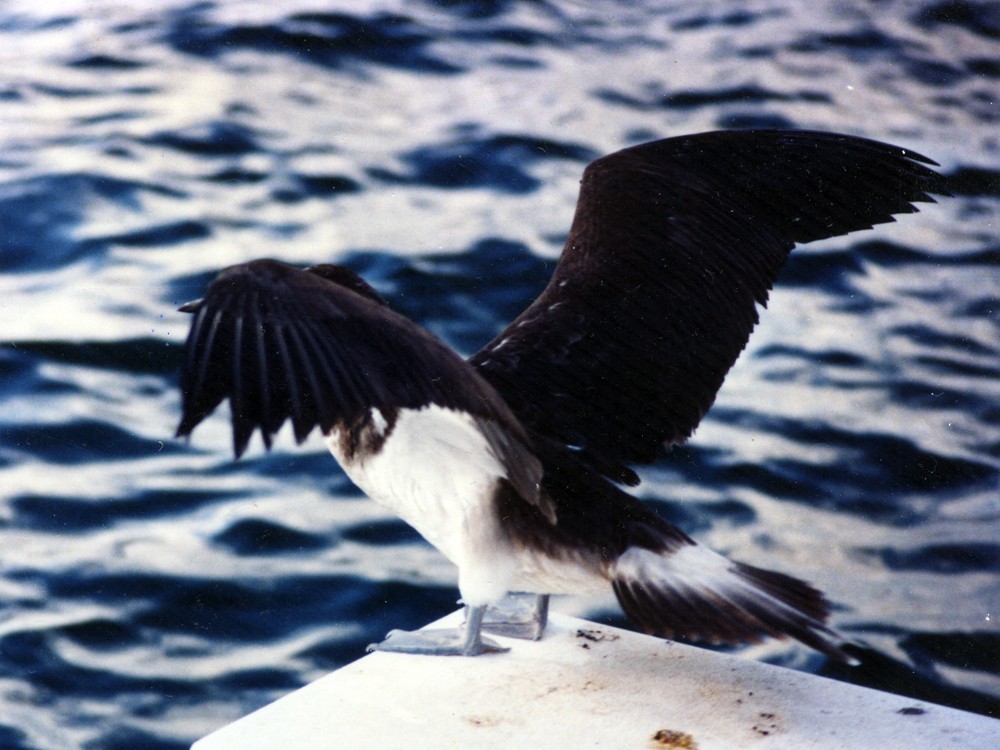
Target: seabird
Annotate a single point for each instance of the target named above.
(513, 462)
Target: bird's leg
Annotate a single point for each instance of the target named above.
(466, 641)
(474, 643)
(519, 616)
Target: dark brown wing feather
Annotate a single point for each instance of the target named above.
(673, 245)
(319, 347)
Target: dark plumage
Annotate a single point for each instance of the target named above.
(673, 245)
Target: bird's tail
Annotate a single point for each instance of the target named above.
(691, 592)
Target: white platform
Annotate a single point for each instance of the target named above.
(590, 686)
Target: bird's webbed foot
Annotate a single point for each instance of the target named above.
(465, 641)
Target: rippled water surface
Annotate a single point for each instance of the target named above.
(151, 591)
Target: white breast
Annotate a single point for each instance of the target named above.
(437, 471)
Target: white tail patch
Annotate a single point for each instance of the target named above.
(689, 567)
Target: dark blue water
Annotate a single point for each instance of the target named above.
(151, 591)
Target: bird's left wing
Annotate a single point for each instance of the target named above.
(320, 347)
(673, 246)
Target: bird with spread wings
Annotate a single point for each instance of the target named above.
(515, 462)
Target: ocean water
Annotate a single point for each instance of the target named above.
(152, 590)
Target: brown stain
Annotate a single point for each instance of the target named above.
(588, 686)
(672, 738)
